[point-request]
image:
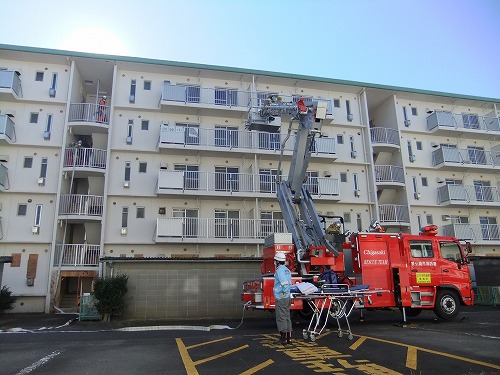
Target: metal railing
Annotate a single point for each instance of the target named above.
(384, 135)
(85, 157)
(473, 232)
(77, 204)
(389, 173)
(463, 121)
(202, 95)
(468, 193)
(7, 128)
(470, 156)
(237, 182)
(394, 213)
(222, 228)
(88, 112)
(77, 255)
(9, 79)
(237, 139)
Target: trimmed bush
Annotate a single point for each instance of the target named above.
(110, 293)
(7, 300)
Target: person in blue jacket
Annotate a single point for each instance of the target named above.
(282, 284)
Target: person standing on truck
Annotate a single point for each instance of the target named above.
(282, 284)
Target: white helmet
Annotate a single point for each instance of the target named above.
(280, 257)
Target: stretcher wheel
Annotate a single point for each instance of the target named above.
(340, 334)
(350, 337)
(304, 334)
(313, 337)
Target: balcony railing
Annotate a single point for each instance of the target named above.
(236, 139)
(470, 156)
(217, 182)
(9, 79)
(85, 158)
(444, 119)
(473, 232)
(384, 136)
(215, 228)
(76, 204)
(7, 130)
(88, 112)
(77, 255)
(468, 193)
(393, 213)
(222, 97)
(389, 173)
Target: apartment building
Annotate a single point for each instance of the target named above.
(166, 174)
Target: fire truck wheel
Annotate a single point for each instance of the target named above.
(447, 304)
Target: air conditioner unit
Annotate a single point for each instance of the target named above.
(354, 154)
(35, 229)
(357, 193)
(123, 231)
(41, 181)
(52, 92)
(46, 135)
(416, 195)
(407, 122)
(412, 158)
(350, 117)
(129, 140)
(163, 165)
(327, 173)
(126, 184)
(131, 99)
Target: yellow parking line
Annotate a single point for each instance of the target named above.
(208, 342)
(257, 368)
(481, 363)
(186, 358)
(221, 355)
(411, 358)
(358, 343)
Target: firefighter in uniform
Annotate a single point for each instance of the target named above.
(100, 112)
(282, 284)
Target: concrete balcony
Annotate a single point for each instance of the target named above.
(389, 176)
(77, 255)
(88, 118)
(4, 178)
(393, 215)
(216, 230)
(236, 185)
(7, 130)
(10, 85)
(222, 139)
(478, 233)
(468, 195)
(384, 139)
(85, 161)
(451, 124)
(451, 158)
(78, 208)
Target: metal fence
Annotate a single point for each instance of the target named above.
(77, 255)
(88, 112)
(77, 204)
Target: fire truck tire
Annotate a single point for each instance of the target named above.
(447, 304)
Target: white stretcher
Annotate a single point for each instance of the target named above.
(332, 300)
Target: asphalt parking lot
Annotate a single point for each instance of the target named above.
(55, 344)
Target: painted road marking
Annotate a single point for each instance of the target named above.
(39, 363)
(190, 365)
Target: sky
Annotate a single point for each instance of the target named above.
(450, 46)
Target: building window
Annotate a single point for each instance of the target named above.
(38, 215)
(418, 144)
(33, 118)
(193, 94)
(343, 177)
(410, 152)
(145, 125)
(127, 171)
(348, 110)
(225, 96)
(143, 166)
(28, 162)
(43, 168)
(424, 181)
(132, 91)
(405, 117)
(336, 103)
(340, 139)
(347, 217)
(22, 209)
(191, 175)
(419, 221)
(141, 212)
(39, 76)
(48, 127)
(147, 85)
(359, 222)
(414, 111)
(130, 127)
(53, 83)
(124, 217)
(429, 220)
(355, 181)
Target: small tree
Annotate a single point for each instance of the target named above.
(7, 300)
(110, 293)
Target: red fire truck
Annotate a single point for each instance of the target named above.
(405, 271)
